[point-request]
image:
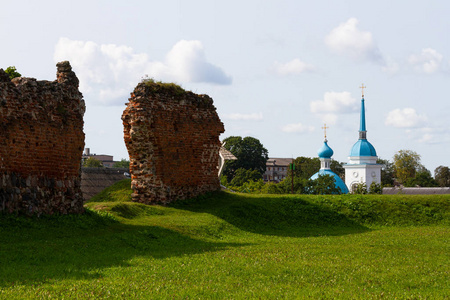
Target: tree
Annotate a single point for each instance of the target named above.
(387, 172)
(323, 185)
(422, 179)
(92, 163)
(338, 168)
(250, 154)
(406, 164)
(123, 163)
(242, 176)
(301, 186)
(223, 180)
(442, 176)
(12, 72)
(305, 167)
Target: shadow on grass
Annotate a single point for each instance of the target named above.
(35, 251)
(273, 215)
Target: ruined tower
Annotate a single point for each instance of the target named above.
(172, 137)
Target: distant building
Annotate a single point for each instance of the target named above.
(107, 160)
(277, 169)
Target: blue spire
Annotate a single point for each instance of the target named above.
(362, 147)
(362, 124)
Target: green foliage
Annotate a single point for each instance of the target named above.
(12, 72)
(337, 168)
(323, 185)
(305, 167)
(387, 172)
(123, 163)
(442, 176)
(250, 154)
(159, 86)
(242, 176)
(406, 164)
(422, 179)
(223, 180)
(92, 162)
(301, 186)
(376, 188)
(360, 188)
(251, 186)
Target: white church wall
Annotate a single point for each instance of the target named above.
(362, 173)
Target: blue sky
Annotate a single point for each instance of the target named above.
(277, 70)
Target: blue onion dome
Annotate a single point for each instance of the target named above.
(363, 148)
(325, 151)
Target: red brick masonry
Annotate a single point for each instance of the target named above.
(172, 137)
(42, 140)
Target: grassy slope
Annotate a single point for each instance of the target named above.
(232, 246)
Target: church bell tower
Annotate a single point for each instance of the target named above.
(362, 166)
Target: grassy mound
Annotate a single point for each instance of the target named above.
(118, 192)
(231, 246)
(281, 212)
(287, 211)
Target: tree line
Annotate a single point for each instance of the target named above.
(246, 173)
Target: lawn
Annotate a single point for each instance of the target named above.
(232, 246)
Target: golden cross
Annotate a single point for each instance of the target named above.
(325, 129)
(362, 87)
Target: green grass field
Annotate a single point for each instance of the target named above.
(232, 246)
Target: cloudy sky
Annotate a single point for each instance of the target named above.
(277, 70)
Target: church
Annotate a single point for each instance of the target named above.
(362, 166)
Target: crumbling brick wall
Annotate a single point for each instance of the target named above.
(42, 140)
(172, 137)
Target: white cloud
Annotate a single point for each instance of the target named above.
(108, 73)
(390, 66)
(347, 39)
(432, 135)
(428, 61)
(294, 67)
(427, 138)
(297, 128)
(405, 118)
(425, 135)
(244, 117)
(333, 104)
(187, 62)
(328, 118)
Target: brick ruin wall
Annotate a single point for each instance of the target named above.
(41, 144)
(172, 137)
